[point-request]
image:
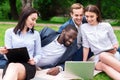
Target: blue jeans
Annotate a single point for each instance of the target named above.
(78, 56)
(3, 61)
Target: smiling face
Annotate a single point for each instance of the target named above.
(68, 37)
(93, 14)
(91, 18)
(77, 16)
(31, 20)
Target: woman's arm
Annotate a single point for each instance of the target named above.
(85, 53)
(37, 48)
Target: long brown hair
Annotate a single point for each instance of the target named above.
(95, 9)
(22, 19)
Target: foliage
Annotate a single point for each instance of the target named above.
(109, 9)
(50, 8)
(4, 10)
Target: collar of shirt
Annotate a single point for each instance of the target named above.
(76, 24)
(29, 31)
(56, 41)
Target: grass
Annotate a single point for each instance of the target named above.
(3, 27)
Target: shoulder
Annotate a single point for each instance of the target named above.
(45, 32)
(70, 21)
(10, 30)
(36, 32)
(105, 24)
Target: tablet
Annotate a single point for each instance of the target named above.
(107, 50)
(18, 55)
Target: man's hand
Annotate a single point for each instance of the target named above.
(53, 71)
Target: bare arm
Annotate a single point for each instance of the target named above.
(85, 53)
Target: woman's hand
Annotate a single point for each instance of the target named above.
(31, 61)
(3, 50)
(113, 51)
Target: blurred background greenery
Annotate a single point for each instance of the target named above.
(10, 9)
(56, 12)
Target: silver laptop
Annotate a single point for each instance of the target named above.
(84, 70)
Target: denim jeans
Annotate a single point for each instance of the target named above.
(3, 61)
(78, 55)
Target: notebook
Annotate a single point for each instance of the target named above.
(18, 55)
(85, 70)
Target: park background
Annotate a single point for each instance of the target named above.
(53, 13)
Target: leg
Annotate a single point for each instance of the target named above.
(17, 70)
(108, 58)
(108, 70)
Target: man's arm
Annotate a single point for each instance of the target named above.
(55, 70)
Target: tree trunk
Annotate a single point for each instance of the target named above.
(26, 3)
(13, 9)
(99, 4)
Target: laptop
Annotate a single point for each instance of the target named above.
(18, 55)
(84, 70)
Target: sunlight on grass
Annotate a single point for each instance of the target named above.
(59, 19)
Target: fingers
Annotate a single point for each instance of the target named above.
(31, 61)
(53, 71)
(3, 50)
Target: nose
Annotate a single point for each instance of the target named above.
(88, 18)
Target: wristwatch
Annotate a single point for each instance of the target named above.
(60, 68)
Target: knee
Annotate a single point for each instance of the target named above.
(102, 55)
(12, 66)
(101, 66)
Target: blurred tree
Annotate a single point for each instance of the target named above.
(13, 9)
(26, 3)
(50, 8)
(1, 1)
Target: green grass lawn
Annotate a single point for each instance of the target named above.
(3, 27)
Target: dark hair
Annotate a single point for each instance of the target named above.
(95, 9)
(22, 19)
(69, 27)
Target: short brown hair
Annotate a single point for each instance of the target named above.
(76, 6)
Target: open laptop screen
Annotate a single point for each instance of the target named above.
(83, 69)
